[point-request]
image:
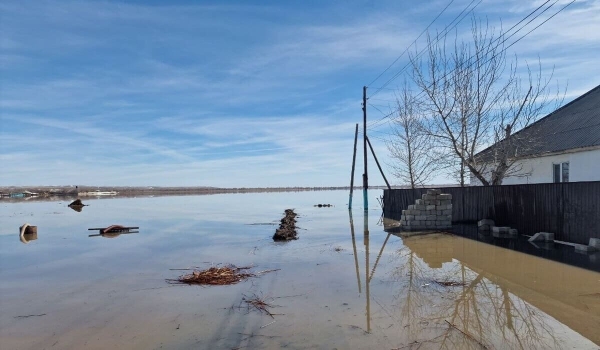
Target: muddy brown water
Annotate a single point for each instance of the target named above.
(337, 287)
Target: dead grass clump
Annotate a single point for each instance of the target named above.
(215, 276)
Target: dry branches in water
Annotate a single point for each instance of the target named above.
(217, 276)
(257, 303)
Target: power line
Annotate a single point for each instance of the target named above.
(504, 49)
(437, 39)
(414, 41)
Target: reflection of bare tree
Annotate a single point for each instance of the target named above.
(480, 312)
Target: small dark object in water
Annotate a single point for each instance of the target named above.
(77, 203)
(287, 227)
(449, 283)
(323, 205)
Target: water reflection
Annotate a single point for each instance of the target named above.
(77, 208)
(504, 297)
(368, 276)
(112, 234)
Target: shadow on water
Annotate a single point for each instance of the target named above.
(478, 295)
(554, 251)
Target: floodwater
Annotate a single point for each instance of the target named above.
(336, 287)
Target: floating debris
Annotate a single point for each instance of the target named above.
(217, 276)
(27, 233)
(113, 231)
(77, 205)
(259, 304)
(323, 205)
(77, 202)
(287, 228)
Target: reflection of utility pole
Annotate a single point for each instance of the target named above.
(354, 247)
(379, 256)
(366, 240)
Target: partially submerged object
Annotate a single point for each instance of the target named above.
(113, 231)
(27, 233)
(77, 205)
(287, 227)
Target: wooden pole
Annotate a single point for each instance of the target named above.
(353, 166)
(365, 174)
(367, 278)
(379, 166)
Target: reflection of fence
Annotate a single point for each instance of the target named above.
(570, 210)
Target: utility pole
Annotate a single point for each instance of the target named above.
(365, 175)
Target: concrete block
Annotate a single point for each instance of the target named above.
(409, 217)
(542, 236)
(447, 212)
(431, 217)
(445, 202)
(430, 222)
(595, 242)
(486, 222)
(500, 229)
(585, 248)
(445, 196)
(429, 202)
(434, 191)
(411, 207)
(513, 231)
(420, 202)
(484, 228)
(439, 212)
(421, 217)
(430, 207)
(420, 207)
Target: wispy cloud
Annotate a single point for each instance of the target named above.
(111, 92)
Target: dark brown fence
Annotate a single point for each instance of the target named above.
(570, 210)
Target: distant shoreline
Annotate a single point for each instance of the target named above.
(49, 193)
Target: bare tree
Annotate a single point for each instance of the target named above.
(411, 147)
(473, 97)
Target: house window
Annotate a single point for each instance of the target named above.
(561, 172)
(565, 172)
(556, 172)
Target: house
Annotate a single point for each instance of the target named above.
(566, 146)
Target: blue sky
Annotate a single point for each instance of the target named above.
(228, 94)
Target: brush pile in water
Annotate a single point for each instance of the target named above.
(216, 276)
(287, 228)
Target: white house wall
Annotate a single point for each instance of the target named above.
(583, 166)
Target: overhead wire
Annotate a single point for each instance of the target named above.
(436, 40)
(378, 122)
(408, 47)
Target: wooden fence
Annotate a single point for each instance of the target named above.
(570, 210)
